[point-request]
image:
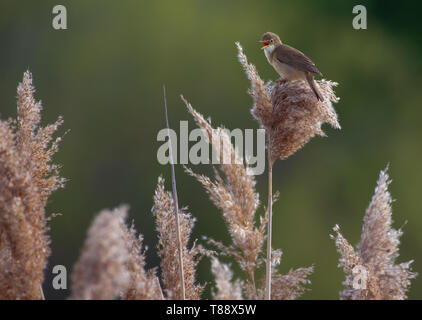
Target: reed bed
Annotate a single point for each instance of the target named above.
(112, 262)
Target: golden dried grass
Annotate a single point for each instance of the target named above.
(27, 179)
(112, 261)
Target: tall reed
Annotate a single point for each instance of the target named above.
(233, 192)
(112, 263)
(27, 179)
(175, 204)
(291, 115)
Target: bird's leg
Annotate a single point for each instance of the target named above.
(281, 80)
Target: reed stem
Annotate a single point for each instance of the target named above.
(269, 224)
(176, 205)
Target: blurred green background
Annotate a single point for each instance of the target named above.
(105, 74)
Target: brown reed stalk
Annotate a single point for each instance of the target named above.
(371, 270)
(269, 225)
(27, 179)
(291, 115)
(233, 191)
(175, 203)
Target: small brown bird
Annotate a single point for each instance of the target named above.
(290, 64)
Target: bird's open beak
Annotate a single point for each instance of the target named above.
(265, 43)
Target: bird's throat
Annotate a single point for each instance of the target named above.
(268, 50)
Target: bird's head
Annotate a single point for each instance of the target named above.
(270, 41)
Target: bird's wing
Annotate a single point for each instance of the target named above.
(295, 58)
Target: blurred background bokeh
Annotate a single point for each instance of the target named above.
(105, 74)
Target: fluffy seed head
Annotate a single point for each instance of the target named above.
(101, 272)
(374, 261)
(289, 110)
(27, 179)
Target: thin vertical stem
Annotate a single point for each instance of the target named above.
(42, 293)
(176, 205)
(269, 224)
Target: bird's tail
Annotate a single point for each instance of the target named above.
(313, 86)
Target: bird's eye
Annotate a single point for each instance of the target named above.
(271, 40)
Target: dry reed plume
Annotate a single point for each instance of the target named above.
(112, 262)
(143, 284)
(289, 110)
(291, 115)
(163, 211)
(291, 285)
(226, 289)
(233, 192)
(371, 271)
(101, 271)
(27, 179)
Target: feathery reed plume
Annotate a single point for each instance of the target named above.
(175, 204)
(101, 272)
(226, 289)
(291, 116)
(288, 286)
(163, 211)
(27, 179)
(236, 197)
(291, 285)
(143, 285)
(233, 192)
(371, 270)
(289, 110)
(298, 115)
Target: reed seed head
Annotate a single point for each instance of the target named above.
(27, 179)
(289, 110)
(374, 261)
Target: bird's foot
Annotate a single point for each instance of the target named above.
(281, 80)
